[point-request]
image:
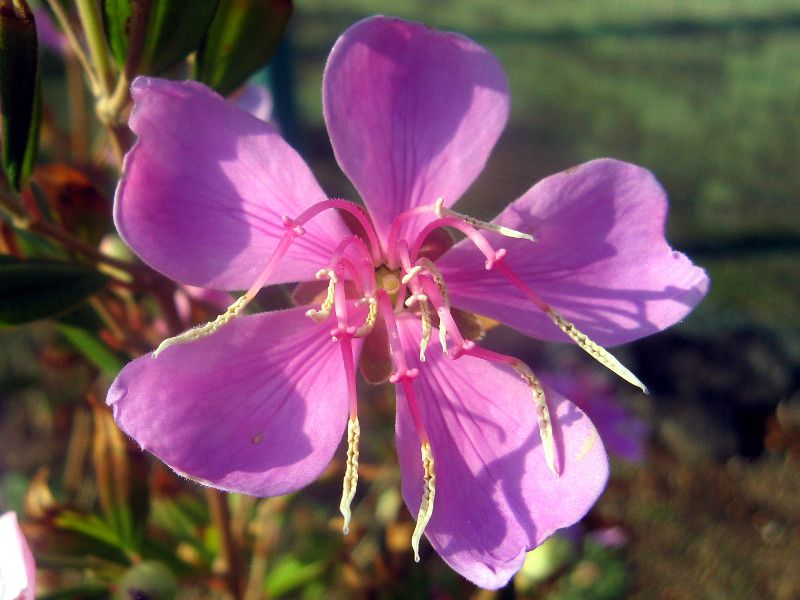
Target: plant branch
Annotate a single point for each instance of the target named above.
(66, 27)
(228, 552)
(95, 39)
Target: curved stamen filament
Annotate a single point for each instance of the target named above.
(372, 315)
(354, 209)
(404, 377)
(362, 269)
(393, 258)
(447, 325)
(321, 314)
(595, 350)
(537, 392)
(468, 230)
(195, 333)
(442, 211)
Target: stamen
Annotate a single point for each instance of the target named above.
(428, 495)
(363, 271)
(201, 331)
(447, 325)
(537, 392)
(442, 211)
(427, 330)
(596, 351)
(468, 230)
(413, 272)
(351, 472)
(393, 258)
(372, 315)
(325, 308)
(396, 348)
(434, 272)
(354, 209)
(291, 231)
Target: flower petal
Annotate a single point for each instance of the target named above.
(258, 407)
(204, 189)
(495, 496)
(601, 259)
(412, 112)
(255, 99)
(623, 433)
(17, 567)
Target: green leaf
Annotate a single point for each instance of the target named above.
(94, 527)
(93, 349)
(241, 39)
(289, 574)
(19, 76)
(33, 289)
(173, 29)
(116, 20)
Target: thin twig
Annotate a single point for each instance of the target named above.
(66, 27)
(95, 40)
(228, 552)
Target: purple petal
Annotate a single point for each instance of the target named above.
(601, 258)
(496, 498)
(412, 112)
(255, 99)
(204, 189)
(17, 567)
(258, 407)
(623, 434)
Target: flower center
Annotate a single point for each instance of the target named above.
(405, 278)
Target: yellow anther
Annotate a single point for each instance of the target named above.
(351, 472)
(414, 298)
(372, 315)
(542, 414)
(201, 331)
(427, 330)
(443, 336)
(596, 351)
(412, 272)
(325, 308)
(442, 211)
(426, 506)
(433, 271)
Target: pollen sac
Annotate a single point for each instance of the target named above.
(351, 472)
(428, 495)
(201, 331)
(596, 351)
(542, 415)
(442, 211)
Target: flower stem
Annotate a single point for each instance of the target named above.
(95, 38)
(228, 551)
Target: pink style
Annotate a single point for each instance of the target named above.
(492, 461)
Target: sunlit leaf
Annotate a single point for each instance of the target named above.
(241, 39)
(289, 573)
(173, 29)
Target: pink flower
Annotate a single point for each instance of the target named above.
(17, 569)
(492, 462)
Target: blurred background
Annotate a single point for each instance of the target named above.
(704, 503)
